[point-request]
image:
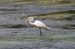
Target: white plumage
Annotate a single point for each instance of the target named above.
(38, 24)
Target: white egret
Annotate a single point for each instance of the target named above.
(38, 24)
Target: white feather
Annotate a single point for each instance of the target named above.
(38, 23)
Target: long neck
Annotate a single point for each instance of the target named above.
(31, 22)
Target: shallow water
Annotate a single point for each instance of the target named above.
(37, 45)
(15, 11)
(10, 23)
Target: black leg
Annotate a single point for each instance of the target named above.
(40, 32)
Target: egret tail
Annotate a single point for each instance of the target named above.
(48, 28)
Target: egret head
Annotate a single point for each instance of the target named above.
(30, 18)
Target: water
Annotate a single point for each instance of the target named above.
(10, 22)
(38, 45)
(15, 10)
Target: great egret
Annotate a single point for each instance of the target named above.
(38, 24)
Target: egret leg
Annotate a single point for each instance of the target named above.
(40, 32)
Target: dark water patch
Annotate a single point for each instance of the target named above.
(67, 12)
(14, 26)
(8, 9)
(61, 12)
(72, 17)
(69, 27)
(65, 1)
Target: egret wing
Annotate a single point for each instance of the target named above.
(39, 23)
